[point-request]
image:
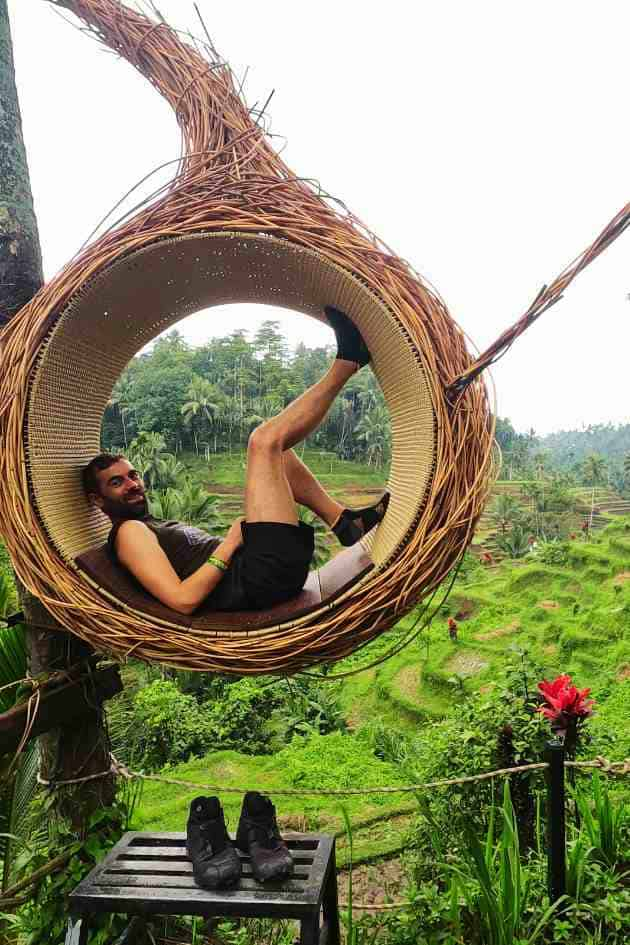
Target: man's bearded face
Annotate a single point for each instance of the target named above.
(121, 491)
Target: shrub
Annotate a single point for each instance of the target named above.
(170, 725)
(551, 552)
(237, 719)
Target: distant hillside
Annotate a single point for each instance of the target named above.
(572, 446)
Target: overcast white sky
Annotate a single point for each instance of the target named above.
(486, 142)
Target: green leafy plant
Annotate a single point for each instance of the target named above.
(169, 725)
(514, 542)
(502, 899)
(355, 934)
(577, 860)
(43, 920)
(604, 822)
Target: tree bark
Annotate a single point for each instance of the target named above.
(82, 749)
(20, 254)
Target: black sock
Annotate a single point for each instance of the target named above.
(350, 343)
(353, 524)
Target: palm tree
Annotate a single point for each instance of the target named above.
(120, 400)
(374, 432)
(202, 405)
(626, 471)
(507, 511)
(540, 459)
(165, 504)
(594, 469)
(515, 543)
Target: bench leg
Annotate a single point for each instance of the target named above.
(77, 931)
(330, 904)
(309, 931)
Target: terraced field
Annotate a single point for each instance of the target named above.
(573, 618)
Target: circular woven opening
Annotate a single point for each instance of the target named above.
(128, 304)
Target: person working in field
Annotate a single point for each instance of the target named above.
(265, 557)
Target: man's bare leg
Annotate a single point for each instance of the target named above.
(307, 491)
(268, 495)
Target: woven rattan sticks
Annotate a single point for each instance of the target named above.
(232, 186)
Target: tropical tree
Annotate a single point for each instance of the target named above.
(373, 431)
(168, 473)
(165, 504)
(541, 458)
(507, 511)
(594, 469)
(120, 402)
(626, 472)
(202, 407)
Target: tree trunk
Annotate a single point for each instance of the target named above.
(20, 255)
(82, 749)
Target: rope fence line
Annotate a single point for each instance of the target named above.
(614, 768)
(10, 899)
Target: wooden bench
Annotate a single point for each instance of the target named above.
(150, 874)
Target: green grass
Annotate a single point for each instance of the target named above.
(228, 469)
(165, 806)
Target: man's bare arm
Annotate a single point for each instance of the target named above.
(139, 551)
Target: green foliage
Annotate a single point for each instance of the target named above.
(309, 708)
(190, 504)
(335, 761)
(605, 823)
(501, 904)
(169, 725)
(238, 719)
(43, 920)
(551, 552)
(611, 724)
(514, 542)
(210, 398)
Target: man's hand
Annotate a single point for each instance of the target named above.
(234, 535)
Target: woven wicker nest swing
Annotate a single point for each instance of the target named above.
(235, 225)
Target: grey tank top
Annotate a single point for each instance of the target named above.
(185, 546)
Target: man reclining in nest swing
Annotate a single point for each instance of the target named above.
(265, 557)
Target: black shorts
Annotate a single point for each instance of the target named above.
(269, 568)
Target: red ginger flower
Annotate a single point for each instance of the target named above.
(565, 704)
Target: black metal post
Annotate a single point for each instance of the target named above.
(556, 830)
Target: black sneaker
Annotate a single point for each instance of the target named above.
(215, 861)
(259, 836)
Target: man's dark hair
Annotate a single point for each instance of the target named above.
(97, 465)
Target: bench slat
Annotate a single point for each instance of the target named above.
(157, 867)
(172, 854)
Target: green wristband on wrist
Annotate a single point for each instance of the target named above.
(221, 565)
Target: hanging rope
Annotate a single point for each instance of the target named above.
(617, 768)
(548, 296)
